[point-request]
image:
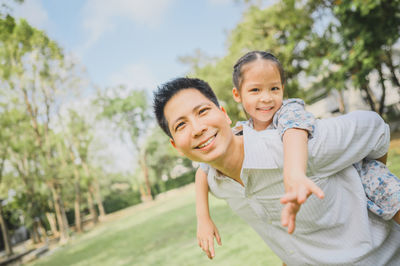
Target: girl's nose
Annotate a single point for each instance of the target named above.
(266, 96)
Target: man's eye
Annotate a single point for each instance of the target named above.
(179, 126)
(254, 89)
(202, 111)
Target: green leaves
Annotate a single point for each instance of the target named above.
(332, 45)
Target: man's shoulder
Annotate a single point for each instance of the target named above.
(262, 149)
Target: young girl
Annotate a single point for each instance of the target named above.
(258, 79)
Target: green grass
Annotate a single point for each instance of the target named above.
(164, 234)
(394, 154)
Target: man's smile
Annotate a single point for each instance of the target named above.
(205, 144)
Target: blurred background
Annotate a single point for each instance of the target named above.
(86, 176)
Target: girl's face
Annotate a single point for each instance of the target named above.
(261, 92)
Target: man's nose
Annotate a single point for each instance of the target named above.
(198, 128)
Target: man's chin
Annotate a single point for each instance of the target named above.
(204, 158)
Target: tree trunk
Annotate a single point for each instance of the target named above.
(77, 188)
(342, 107)
(98, 198)
(96, 190)
(4, 230)
(77, 207)
(92, 207)
(370, 97)
(60, 213)
(145, 171)
(382, 81)
(393, 76)
(53, 224)
(35, 233)
(41, 230)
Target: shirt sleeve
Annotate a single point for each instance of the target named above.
(342, 141)
(293, 115)
(205, 167)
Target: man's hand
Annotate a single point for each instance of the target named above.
(298, 189)
(206, 231)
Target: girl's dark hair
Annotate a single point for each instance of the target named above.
(250, 57)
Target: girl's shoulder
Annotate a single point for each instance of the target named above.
(293, 101)
(238, 128)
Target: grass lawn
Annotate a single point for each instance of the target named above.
(163, 233)
(394, 154)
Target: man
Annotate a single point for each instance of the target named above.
(247, 172)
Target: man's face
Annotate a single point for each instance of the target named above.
(199, 128)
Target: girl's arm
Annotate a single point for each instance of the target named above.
(206, 229)
(295, 125)
(298, 186)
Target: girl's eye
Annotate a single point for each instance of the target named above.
(179, 126)
(275, 89)
(254, 90)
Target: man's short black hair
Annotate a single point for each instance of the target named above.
(167, 90)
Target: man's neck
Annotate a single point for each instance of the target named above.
(231, 164)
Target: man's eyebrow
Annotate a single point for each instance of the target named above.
(193, 110)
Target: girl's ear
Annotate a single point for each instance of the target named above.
(226, 115)
(236, 95)
(174, 145)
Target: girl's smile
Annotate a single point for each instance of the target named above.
(261, 92)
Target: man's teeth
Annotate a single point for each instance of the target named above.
(206, 143)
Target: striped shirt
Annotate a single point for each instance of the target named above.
(337, 230)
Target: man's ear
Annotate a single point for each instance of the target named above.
(174, 145)
(236, 95)
(226, 115)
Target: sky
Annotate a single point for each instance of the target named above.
(134, 42)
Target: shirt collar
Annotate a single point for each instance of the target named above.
(257, 154)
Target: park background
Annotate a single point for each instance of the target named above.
(86, 176)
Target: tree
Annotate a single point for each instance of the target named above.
(327, 44)
(128, 111)
(33, 71)
(358, 43)
(162, 158)
(283, 29)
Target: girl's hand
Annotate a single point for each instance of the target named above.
(298, 189)
(206, 231)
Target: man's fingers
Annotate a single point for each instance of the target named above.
(317, 191)
(303, 195)
(289, 197)
(285, 215)
(211, 245)
(205, 248)
(292, 223)
(217, 237)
